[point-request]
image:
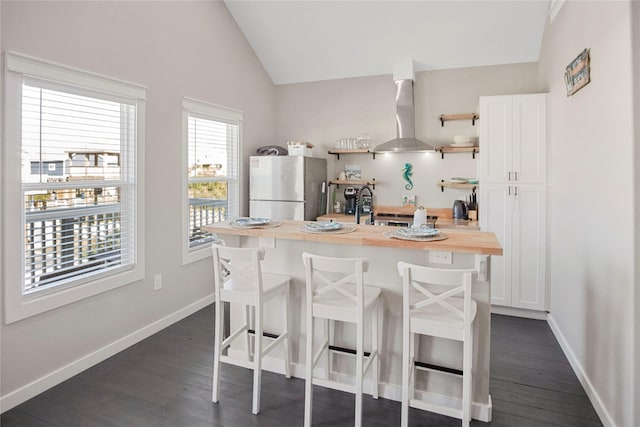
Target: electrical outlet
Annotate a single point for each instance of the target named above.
(157, 282)
(440, 257)
(266, 242)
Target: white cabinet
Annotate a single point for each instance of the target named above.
(513, 139)
(516, 214)
(495, 216)
(513, 196)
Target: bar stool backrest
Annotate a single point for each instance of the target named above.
(434, 287)
(240, 267)
(326, 274)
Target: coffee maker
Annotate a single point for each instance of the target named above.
(350, 198)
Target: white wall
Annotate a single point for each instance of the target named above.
(176, 49)
(322, 112)
(591, 202)
(635, 28)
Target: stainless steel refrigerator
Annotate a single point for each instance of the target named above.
(287, 187)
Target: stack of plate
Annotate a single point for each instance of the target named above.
(323, 226)
(414, 232)
(251, 222)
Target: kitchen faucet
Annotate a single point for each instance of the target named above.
(364, 207)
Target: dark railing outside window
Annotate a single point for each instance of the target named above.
(202, 212)
(65, 243)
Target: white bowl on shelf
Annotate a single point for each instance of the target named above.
(458, 180)
(461, 139)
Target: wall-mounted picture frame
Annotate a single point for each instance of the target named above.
(353, 171)
(409, 200)
(577, 74)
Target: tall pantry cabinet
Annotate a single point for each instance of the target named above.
(512, 172)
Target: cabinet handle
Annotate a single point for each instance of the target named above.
(509, 179)
(509, 189)
(516, 176)
(515, 191)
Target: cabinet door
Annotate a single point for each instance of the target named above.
(529, 139)
(496, 138)
(528, 248)
(495, 216)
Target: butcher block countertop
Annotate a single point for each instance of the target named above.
(464, 241)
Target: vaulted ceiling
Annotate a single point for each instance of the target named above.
(302, 41)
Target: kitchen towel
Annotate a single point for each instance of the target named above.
(420, 217)
(272, 150)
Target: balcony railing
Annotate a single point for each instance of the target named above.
(203, 212)
(68, 242)
(64, 243)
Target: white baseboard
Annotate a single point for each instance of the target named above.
(26, 392)
(601, 410)
(479, 411)
(519, 312)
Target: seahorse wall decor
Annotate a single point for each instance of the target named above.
(407, 173)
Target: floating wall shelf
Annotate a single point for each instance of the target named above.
(354, 182)
(442, 184)
(359, 151)
(471, 116)
(473, 150)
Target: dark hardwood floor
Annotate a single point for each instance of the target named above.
(165, 380)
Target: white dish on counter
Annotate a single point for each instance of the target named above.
(461, 144)
(324, 226)
(418, 231)
(251, 222)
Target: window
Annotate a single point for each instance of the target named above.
(211, 145)
(73, 192)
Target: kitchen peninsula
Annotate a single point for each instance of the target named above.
(467, 249)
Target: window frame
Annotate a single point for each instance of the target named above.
(212, 112)
(17, 304)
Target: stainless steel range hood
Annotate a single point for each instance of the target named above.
(405, 121)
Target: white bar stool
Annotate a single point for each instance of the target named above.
(436, 302)
(239, 279)
(335, 291)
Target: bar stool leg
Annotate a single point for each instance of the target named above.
(467, 377)
(359, 368)
(308, 386)
(257, 360)
(217, 348)
(247, 324)
(413, 352)
(375, 338)
(406, 372)
(329, 326)
(285, 331)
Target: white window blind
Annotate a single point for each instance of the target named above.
(212, 169)
(72, 199)
(77, 181)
